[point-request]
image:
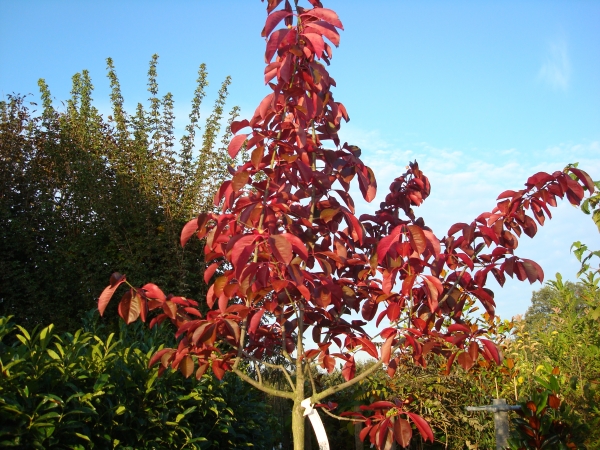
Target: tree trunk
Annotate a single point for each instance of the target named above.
(308, 435)
(298, 425)
(358, 444)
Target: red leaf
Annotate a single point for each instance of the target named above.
(282, 249)
(402, 432)
(533, 270)
(272, 4)
(108, 292)
(492, 349)
(328, 363)
(239, 180)
(237, 125)
(201, 370)
(217, 368)
(422, 426)
(364, 432)
(235, 144)
(349, 370)
(382, 404)
(553, 401)
(239, 247)
(210, 271)
(154, 292)
(327, 15)
(158, 355)
(367, 183)
(418, 240)
(316, 41)
(369, 347)
(129, 306)
(272, 20)
(385, 243)
(324, 29)
(506, 194)
(188, 231)
(386, 349)
(255, 321)
(539, 179)
(115, 278)
(459, 327)
(435, 288)
(584, 178)
(186, 366)
(369, 309)
(465, 360)
(297, 245)
(273, 43)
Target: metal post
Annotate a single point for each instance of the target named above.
(500, 410)
(501, 423)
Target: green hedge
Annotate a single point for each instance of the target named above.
(86, 390)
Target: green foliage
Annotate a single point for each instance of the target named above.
(544, 421)
(89, 390)
(82, 197)
(561, 333)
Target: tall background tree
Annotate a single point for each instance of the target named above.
(83, 195)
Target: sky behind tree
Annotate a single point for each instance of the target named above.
(481, 94)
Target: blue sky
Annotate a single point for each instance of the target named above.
(482, 94)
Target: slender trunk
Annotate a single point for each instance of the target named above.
(307, 435)
(298, 425)
(358, 444)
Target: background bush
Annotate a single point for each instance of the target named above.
(92, 390)
(83, 196)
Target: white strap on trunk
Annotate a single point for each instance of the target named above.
(317, 424)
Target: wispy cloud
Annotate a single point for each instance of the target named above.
(556, 69)
(466, 182)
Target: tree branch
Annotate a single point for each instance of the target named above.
(340, 387)
(261, 387)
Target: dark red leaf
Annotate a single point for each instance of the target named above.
(533, 270)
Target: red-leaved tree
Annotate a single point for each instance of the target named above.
(289, 259)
